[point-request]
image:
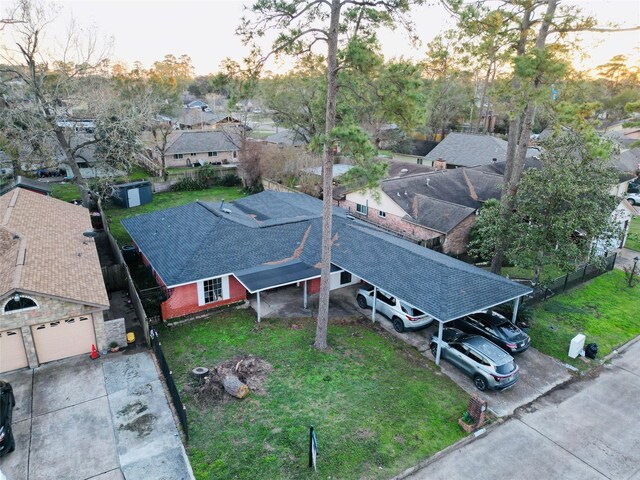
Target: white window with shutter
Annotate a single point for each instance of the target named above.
(213, 290)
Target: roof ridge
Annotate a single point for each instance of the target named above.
(444, 201)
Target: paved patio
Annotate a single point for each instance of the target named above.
(106, 419)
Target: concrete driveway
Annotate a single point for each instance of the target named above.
(583, 430)
(105, 419)
(539, 373)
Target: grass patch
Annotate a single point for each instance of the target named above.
(377, 405)
(633, 239)
(67, 192)
(519, 272)
(162, 201)
(604, 309)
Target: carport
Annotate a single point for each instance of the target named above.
(267, 277)
(440, 286)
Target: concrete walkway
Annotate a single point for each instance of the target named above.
(106, 419)
(625, 258)
(583, 430)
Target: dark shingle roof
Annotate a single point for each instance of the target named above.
(208, 141)
(196, 241)
(460, 186)
(196, 116)
(27, 183)
(467, 150)
(439, 215)
(287, 137)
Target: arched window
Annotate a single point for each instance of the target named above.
(19, 302)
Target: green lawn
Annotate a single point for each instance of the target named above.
(633, 240)
(162, 201)
(377, 405)
(605, 309)
(67, 192)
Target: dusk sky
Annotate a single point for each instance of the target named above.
(146, 30)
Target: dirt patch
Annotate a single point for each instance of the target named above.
(250, 370)
(141, 426)
(135, 408)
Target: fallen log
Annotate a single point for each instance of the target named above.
(233, 386)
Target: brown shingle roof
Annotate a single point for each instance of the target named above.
(46, 252)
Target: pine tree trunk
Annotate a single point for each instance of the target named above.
(327, 174)
(519, 132)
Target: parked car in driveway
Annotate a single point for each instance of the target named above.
(633, 198)
(7, 402)
(487, 364)
(402, 315)
(496, 328)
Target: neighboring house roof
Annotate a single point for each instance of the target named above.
(627, 160)
(271, 229)
(439, 215)
(461, 186)
(470, 150)
(498, 168)
(44, 252)
(287, 137)
(207, 141)
(27, 183)
(193, 116)
(403, 169)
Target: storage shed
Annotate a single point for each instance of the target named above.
(132, 194)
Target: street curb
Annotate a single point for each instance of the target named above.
(443, 453)
(622, 349)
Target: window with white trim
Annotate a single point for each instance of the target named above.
(213, 154)
(212, 290)
(19, 303)
(382, 214)
(235, 154)
(362, 209)
(178, 155)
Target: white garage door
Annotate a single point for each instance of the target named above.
(12, 352)
(63, 338)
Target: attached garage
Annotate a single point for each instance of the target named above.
(63, 338)
(12, 352)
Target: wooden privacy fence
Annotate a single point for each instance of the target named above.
(115, 277)
(133, 293)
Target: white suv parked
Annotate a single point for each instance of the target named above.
(402, 315)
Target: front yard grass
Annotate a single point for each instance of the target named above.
(161, 201)
(377, 405)
(633, 239)
(605, 310)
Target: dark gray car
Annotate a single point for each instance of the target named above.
(488, 365)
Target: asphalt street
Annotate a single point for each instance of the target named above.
(583, 430)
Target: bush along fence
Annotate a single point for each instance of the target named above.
(570, 280)
(181, 410)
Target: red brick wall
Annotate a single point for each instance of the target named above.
(458, 238)
(184, 299)
(392, 222)
(313, 286)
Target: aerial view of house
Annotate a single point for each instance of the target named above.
(344, 239)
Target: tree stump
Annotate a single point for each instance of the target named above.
(233, 386)
(199, 373)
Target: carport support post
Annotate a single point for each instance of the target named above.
(305, 294)
(439, 343)
(373, 310)
(516, 304)
(258, 297)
